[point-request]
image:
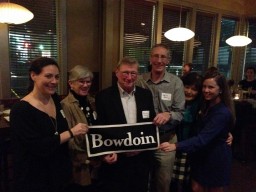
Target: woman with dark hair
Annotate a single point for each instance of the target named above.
(40, 133)
(181, 172)
(210, 156)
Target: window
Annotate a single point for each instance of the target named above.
(30, 40)
(202, 41)
(171, 19)
(250, 59)
(139, 18)
(225, 51)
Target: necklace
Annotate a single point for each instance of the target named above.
(46, 105)
(55, 125)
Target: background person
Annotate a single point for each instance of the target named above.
(79, 107)
(249, 83)
(169, 100)
(125, 103)
(210, 155)
(186, 69)
(41, 160)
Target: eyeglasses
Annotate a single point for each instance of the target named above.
(83, 81)
(157, 56)
(126, 73)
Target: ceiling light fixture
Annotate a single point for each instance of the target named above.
(11, 13)
(179, 33)
(238, 40)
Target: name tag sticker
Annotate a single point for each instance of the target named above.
(166, 96)
(145, 114)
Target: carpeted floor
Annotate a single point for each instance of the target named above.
(243, 176)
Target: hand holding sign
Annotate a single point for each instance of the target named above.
(110, 158)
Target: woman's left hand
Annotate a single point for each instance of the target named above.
(229, 139)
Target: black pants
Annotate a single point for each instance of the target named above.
(127, 174)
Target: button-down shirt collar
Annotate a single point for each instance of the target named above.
(129, 105)
(170, 86)
(124, 93)
(166, 77)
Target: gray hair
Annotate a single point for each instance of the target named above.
(169, 55)
(128, 61)
(79, 72)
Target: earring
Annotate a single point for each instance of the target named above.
(220, 92)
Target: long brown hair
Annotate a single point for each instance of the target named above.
(225, 94)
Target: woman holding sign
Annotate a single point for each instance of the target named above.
(78, 107)
(40, 134)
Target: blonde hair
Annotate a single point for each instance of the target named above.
(127, 61)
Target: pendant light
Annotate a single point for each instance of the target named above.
(238, 40)
(11, 13)
(179, 33)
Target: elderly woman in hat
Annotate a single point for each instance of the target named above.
(79, 106)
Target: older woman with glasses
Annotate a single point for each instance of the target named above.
(78, 106)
